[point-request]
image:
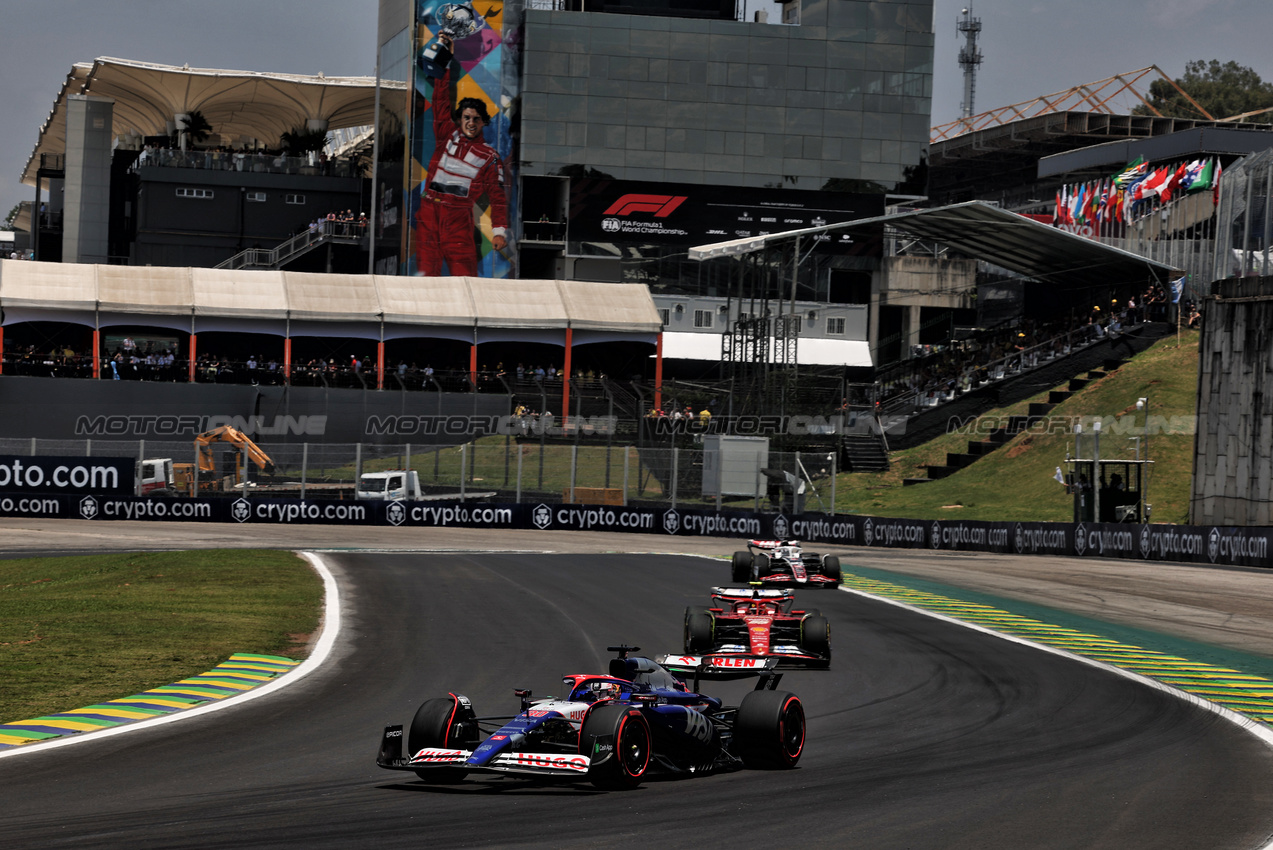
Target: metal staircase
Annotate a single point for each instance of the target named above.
(326, 233)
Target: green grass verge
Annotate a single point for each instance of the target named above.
(80, 630)
(1015, 483)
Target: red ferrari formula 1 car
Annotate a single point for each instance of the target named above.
(783, 562)
(747, 622)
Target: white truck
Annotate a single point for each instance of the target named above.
(155, 477)
(393, 485)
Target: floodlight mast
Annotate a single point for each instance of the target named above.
(969, 59)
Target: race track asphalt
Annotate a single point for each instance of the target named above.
(922, 735)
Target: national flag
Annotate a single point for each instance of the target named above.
(1059, 475)
(1094, 203)
(1192, 172)
(1205, 178)
(1177, 288)
(1153, 184)
(1173, 183)
(1215, 190)
(1076, 206)
(1134, 170)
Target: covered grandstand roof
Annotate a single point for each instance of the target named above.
(997, 236)
(237, 104)
(84, 293)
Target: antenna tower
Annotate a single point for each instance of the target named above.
(969, 58)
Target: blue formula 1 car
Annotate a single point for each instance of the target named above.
(611, 729)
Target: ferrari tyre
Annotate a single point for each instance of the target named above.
(434, 725)
(815, 636)
(626, 733)
(700, 631)
(740, 568)
(769, 730)
(831, 568)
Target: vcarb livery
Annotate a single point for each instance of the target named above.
(612, 728)
(1246, 546)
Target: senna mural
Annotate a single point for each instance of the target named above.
(461, 186)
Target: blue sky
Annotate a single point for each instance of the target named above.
(1031, 48)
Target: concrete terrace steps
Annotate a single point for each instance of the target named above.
(1035, 411)
(863, 454)
(977, 449)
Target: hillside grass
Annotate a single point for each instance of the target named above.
(1015, 482)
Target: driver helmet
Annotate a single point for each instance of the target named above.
(600, 691)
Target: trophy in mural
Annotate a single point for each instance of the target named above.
(455, 22)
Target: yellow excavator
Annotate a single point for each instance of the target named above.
(208, 480)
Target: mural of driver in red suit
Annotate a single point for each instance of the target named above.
(463, 169)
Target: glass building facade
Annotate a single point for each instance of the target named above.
(839, 102)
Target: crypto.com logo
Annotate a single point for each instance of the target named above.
(542, 516)
(88, 508)
(396, 513)
(241, 510)
(671, 522)
(661, 205)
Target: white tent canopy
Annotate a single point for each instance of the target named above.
(237, 104)
(70, 289)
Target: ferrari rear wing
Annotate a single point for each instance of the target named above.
(723, 667)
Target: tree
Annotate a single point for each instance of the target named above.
(1223, 90)
(196, 128)
(302, 140)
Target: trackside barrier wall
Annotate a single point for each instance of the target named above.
(1248, 546)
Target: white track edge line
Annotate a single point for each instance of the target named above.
(1259, 730)
(322, 649)
(1255, 728)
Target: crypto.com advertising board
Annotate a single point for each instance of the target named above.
(1229, 546)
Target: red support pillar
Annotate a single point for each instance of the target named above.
(473, 364)
(565, 379)
(190, 362)
(658, 371)
(380, 365)
(287, 361)
(97, 353)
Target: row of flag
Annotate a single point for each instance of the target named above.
(1119, 198)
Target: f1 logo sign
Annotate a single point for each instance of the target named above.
(661, 205)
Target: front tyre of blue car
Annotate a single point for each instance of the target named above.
(769, 730)
(617, 738)
(434, 725)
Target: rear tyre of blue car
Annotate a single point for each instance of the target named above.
(435, 725)
(769, 730)
(740, 568)
(621, 733)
